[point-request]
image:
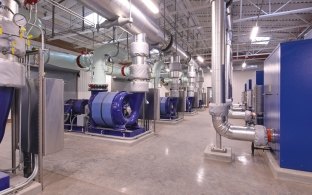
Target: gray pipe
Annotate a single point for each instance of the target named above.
(110, 9)
(27, 182)
(219, 109)
(245, 115)
(61, 60)
(156, 71)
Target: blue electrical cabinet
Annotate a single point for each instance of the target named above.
(287, 103)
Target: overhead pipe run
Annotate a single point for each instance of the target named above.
(110, 9)
(219, 108)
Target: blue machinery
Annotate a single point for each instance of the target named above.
(6, 95)
(110, 114)
(168, 107)
(189, 104)
(287, 100)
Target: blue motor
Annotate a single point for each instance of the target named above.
(115, 110)
(73, 108)
(6, 95)
(168, 107)
(189, 104)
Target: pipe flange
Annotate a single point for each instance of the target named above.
(218, 110)
(261, 137)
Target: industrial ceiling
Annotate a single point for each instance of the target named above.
(190, 21)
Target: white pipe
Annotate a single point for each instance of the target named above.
(219, 109)
(156, 72)
(61, 60)
(24, 184)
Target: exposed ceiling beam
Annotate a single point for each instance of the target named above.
(283, 13)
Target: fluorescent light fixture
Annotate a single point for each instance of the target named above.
(151, 6)
(244, 65)
(167, 70)
(254, 33)
(93, 17)
(200, 59)
(261, 40)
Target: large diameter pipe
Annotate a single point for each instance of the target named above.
(156, 72)
(219, 109)
(142, 23)
(61, 60)
(217, 57)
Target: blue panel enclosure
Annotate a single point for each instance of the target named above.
(4, 181)
(6, 95)
(259, 77)
(288, 94)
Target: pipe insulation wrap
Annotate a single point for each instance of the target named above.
(61, 60)
(141, 22)
(256, 134)
(156, 71)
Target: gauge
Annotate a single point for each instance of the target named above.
(19, 20)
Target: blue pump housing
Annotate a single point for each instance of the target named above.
(168, 107)
(117, 110)
(189, 104)
(6, 95)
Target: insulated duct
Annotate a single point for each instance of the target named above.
(191, 75)
(219, 108)
(142, 23)
(175, 73)
(156, 72)
(228, 55)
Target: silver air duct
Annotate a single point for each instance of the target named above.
(191, 75)
(110, 9)
(139, 69)
(175, 68)
(219, 109)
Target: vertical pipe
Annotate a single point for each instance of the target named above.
(217, 57)
(53, 20)
(13, 134)
(83, 15)
(218, 10)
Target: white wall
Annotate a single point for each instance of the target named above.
(239, 80)
(207, 80)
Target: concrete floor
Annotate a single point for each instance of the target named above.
(171, 162)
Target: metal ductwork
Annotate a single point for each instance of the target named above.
(175, 73)
(110, 9)
(191, 75)
(219, 108)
